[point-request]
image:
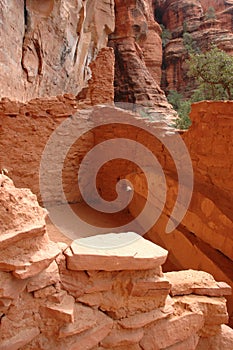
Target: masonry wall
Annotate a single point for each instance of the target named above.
(79, 297)
(203, 240)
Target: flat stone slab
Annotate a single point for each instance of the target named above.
(196, 282)
(10, 286)
(63, 311)
(29, 257)
(114, 252)
(85, 318)
(19, 340)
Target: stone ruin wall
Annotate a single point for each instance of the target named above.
(203, 239)
(204, 233)
(58, 297)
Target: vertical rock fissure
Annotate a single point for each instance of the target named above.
(26, 23)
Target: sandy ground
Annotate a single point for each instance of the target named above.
(92, 222)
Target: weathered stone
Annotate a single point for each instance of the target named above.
(73, 281)
(149, 287)
(93, 337)
(138, 51)
(135, 253)
(174, 330)
(196, 282)
(187, 344)
(21, 217)
(223, 340)
(54, 43)
(47, 277)
(122, 337)
(28, 263)
(214, 309)
(57, 297)
(85, 318)
(63, 311)
(19, 340)
(45, 292)
(10, 287)
(5, 303)
(143, 319)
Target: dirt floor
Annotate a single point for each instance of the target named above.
(67, 229)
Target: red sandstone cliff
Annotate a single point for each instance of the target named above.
(191, 17)
(47, 46)
(138, 56)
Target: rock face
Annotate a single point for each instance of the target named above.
(202, 26)
(138, 54)
(49, 46)
(32, 123)
(203, 240)
(52, 306)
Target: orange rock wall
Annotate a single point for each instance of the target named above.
(25, 130)
(49, 45)
(31, 124)
(204, 239)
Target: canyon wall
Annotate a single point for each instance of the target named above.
(191, 18)
(138, 56)
(77, 297)
(203, 240)
(31, 124)
(47, 47)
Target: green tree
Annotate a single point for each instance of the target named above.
(182, 107)
(210, 13)
(166, 35)
(213, 74)
(183, 121)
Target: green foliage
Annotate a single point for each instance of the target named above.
(210, 13)
(185, 27)
(182, 107)
(188, 42)
(183, 121)
(174, 98)
(213, 74)
(165, 35)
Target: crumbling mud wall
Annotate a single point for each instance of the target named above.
(25, 129)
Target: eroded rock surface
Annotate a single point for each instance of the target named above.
(138, 55)
(49, 45)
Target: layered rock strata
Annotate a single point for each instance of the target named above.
(82, 297)
(138, 56)
(198, 24)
